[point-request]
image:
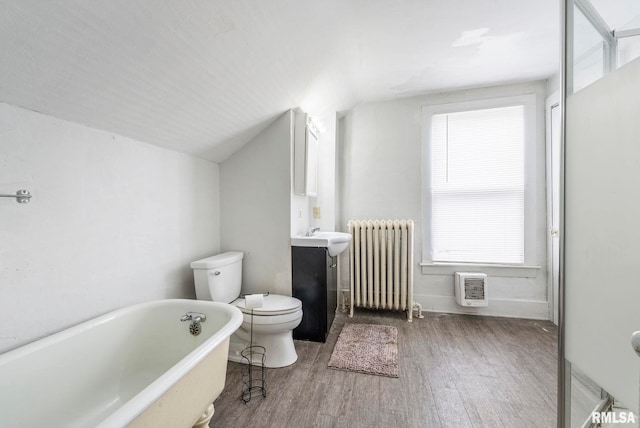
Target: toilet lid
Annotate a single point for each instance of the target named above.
(274, 304)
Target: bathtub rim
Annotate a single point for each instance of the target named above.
(152, 392)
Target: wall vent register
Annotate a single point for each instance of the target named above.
(471, 289)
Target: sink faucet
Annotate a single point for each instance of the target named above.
(312, 231)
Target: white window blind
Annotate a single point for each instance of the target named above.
(477, 186)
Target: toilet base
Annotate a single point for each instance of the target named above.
(280, 350)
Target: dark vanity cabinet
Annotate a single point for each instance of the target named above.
(314, 276)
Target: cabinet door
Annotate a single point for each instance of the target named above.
(309, 277)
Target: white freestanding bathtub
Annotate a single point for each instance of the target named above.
(136, 366)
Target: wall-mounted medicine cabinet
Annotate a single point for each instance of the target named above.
(305, 156)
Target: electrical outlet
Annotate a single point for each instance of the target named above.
(316, 212)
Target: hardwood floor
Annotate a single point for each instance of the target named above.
(455, 371)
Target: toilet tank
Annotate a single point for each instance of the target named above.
(218, 277)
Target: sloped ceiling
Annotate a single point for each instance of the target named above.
(205, 76)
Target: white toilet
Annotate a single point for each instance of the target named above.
(219, 278)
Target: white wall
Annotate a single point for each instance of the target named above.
(553, 83)
(260, 212)
(113, 221)
(255, 197)
(380, 167)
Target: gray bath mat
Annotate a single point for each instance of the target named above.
(367, 348)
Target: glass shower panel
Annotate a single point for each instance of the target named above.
(588, 52)
(597, 322)
(628, 49)
(585, 397)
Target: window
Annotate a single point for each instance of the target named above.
(475, 181)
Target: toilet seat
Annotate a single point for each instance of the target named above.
(274, 304)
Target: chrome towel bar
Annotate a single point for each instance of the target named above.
(22, 196)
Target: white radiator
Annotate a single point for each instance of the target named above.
(381, 265)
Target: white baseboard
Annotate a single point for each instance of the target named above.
(531, 309)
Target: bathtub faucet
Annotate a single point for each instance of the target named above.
(194, 316)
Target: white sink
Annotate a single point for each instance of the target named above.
(334, 242)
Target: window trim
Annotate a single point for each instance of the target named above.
(530, 211)
(510, 271)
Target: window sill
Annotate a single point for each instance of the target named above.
(429, 268)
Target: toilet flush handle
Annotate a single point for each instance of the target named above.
(216, 273)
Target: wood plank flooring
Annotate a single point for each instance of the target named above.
(455, 371)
